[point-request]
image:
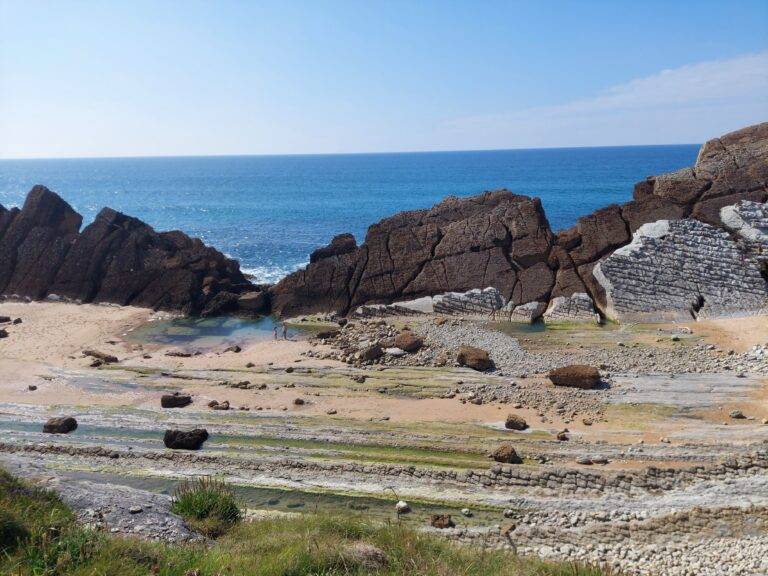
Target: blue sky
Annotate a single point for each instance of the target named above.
(223, 77)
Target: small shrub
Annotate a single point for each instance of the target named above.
(209, 505)
(54, 551)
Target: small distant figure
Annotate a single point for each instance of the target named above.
(285, 331)
(274, 331)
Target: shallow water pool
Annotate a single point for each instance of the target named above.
(202, 333)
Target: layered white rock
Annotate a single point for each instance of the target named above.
(683, 269)
(475, 302)
(577, 307)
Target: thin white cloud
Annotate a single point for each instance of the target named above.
(686, 104)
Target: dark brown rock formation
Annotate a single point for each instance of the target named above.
(457, 245)
(502, 240)
(728, 169)
(115, 259)
(497, 239)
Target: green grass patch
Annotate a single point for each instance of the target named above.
(370, 453)
(207, 504)
(46, 541)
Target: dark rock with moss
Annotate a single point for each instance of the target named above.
(506, 454)
(515, 422)
(185, 440)
(175, 400)
(62, 425)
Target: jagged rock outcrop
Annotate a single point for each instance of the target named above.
(116, 258)
(503, 241)
(678, 270)
(728, 169)
(483, 254)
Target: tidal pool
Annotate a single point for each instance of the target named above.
(208, 333)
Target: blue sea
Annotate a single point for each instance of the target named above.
(270, 212)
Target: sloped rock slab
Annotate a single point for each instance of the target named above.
(684, 391)
(678, 270)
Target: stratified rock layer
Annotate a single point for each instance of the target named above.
(678, 270)
(503, 241)
(116, 259)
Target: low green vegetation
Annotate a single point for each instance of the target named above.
(407, 455)
(207, 504)
(39, 537)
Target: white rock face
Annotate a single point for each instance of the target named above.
(477, 302)
(747, 219)
(683, 269)
(526, 313)
(577, 307)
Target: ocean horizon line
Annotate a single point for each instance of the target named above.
(346, 154)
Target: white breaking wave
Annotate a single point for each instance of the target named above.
(270, 274)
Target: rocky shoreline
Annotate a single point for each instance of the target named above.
(463, 360)
(692, 243)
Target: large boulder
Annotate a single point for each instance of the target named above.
(515, 422)
(408, 341)
(116, 259)
(475, 358)
(575, 376)
(185, 440)
(506, 454)
(62, 425)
